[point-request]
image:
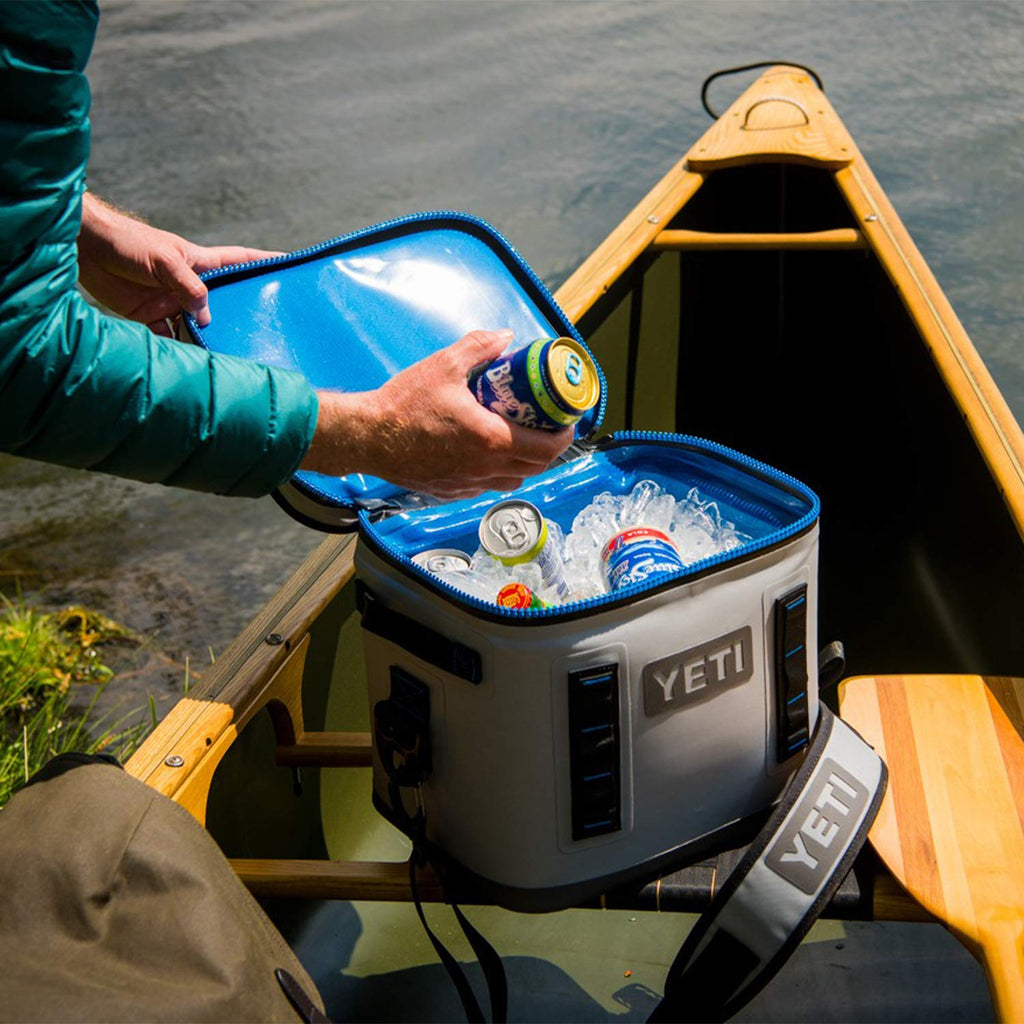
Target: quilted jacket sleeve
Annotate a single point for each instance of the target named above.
(88, 390)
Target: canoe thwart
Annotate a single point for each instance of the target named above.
(328, 750)
(835, 238)
(335, 880)
(868, 893)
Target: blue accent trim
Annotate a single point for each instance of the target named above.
(596, 728)
(599, 775)
(799, 647)
(800, 696)
(796, 604)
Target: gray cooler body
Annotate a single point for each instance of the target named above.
(578, 747)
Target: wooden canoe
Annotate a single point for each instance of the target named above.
(763, 294)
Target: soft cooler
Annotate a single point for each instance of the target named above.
(556, 752)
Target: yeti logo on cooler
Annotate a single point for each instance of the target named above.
(698, 673)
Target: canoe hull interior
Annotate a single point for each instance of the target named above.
(809, 361)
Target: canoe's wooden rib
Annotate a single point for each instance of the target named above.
(703, 241)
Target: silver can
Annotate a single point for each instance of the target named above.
(441, 560)
(514, 532)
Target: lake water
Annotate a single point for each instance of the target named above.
(281, 125)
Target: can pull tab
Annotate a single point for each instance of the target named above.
(574, 369)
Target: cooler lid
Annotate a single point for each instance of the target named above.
(355, 310)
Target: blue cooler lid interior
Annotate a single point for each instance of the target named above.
(352, 312)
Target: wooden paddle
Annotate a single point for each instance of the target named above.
(951, 827)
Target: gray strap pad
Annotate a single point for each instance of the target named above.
(784, 880)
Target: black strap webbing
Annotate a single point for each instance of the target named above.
(487, 956)
(425, 643)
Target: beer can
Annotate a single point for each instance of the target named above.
(518, 595)
(440, 560)
(514, 532)
(634, 555)
(548, 385)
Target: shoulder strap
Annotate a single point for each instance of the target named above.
(783, 882)
(487, 956)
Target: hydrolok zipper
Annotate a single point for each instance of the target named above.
(579, 609)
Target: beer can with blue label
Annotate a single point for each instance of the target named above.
(634, 555)
(514, 532)
(548, 385)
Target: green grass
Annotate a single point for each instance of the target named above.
(44, 658)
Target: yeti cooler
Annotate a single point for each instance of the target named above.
(571, 748)
(544, 755)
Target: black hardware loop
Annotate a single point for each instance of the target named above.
(421, 641)
(751, 67)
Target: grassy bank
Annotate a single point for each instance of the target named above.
(52, 671)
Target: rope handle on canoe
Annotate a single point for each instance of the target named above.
(751, 67)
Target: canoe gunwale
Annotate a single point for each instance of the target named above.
(992, 424)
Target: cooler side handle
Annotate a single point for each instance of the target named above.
(421, 641)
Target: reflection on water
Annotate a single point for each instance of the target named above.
(283, 124)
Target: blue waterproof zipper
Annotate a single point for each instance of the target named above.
(577, 609)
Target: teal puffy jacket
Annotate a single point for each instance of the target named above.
(88, 390)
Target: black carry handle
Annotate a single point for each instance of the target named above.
(419, 640)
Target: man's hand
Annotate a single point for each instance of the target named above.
(425, 431)
(144, 273)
